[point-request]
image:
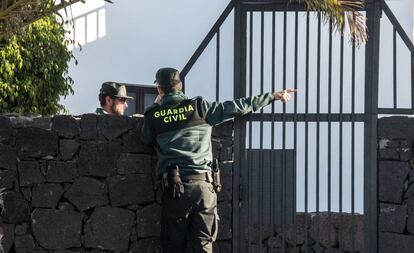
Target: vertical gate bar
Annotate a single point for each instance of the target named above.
(284, 134)
(329, 129)
(353, 150)
(318, 101)
(218, 66)
(341, 92)
(240, 41)
(261, 165)
(370, 129)
(295, 119)
(272, 145)
(306, 130)
(394, 65)
(250, 172)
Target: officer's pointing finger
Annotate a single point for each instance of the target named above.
(291, 90)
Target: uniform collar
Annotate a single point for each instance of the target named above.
(173, 97)
(101, 111)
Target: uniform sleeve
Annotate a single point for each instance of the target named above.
(146, 135)
(218, 112)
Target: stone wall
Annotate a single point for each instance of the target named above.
(86, 184)
(396, 184)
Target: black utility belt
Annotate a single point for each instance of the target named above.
(205, 176)
(172, 180)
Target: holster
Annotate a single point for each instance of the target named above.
(171, 182)
(216, 176)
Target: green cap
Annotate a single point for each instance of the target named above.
(114, 90)
(167, 77)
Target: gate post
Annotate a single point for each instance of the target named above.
(373, 13)
(240, 123)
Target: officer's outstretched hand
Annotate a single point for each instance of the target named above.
(284, 95)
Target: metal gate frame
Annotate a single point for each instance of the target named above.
(374, 9)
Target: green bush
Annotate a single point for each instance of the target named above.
(34, 69)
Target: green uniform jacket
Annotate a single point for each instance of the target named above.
(190, 147)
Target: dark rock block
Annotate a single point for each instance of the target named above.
(389, 154)
(130, 189)
(409, 192)
(36, 143)
(98, 159)
(86, 193)
(36, 121)
(132, 143)
(14, 209)
(134, 163)
(392, 218)
(61, 172)
(351, 232)
(8, 157)
(406, 150)
(395, 128)
(7, 179)
(66, 206)
(391, 180)
(113, 126)
(148, 221)
(295, 234)
(29, 173)
(109, 228)
(55, 229)
(323, 231)
(46, 195)
(6, 129)
(149, 245)
(27, 193)
(6, 237)
(88, 126)
(68, 148)
(389, 242)
(410, 223)
(21, 229)
(24, 243)
(405, 155)
(224, 210)
(226, 192)
(66, 126)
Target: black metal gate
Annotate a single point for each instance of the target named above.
(305, 173)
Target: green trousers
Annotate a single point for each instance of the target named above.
(193, 216)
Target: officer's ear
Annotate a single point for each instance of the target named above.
(108, 100)
(180, 86)
(160, 90)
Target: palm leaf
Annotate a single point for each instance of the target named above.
(340, 12)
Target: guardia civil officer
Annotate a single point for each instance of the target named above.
(180, 130)
(113, 99)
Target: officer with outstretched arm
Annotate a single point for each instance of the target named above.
(180, 129)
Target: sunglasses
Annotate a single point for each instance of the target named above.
(123, 100)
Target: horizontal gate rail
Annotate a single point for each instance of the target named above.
(309, 117)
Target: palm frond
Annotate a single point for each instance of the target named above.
(340, 12)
